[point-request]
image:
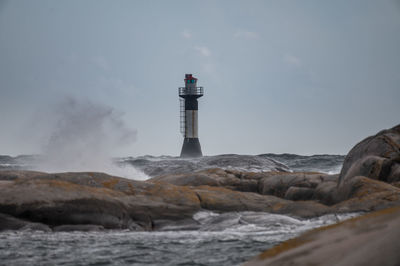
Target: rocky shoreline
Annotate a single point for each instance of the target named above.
(369, 181)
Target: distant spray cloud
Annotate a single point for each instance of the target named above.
(82, 136)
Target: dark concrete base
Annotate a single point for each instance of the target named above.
(191, 148)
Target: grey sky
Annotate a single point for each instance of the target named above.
(279, 76)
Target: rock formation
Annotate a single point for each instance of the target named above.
(97, 201)
(369, 181)
(376, 157)
(371, 239)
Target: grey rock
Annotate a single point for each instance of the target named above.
(299, 193)
(231, 179)
(361, 186)
(376, 157)
(326, 193)
(278, 183)
(225, 200)
(364, 194)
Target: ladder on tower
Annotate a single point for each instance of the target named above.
(182, 116)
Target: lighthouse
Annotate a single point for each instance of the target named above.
(189, 117)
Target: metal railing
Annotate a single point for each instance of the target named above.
(191, 91)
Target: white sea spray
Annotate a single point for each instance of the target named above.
(81, 136)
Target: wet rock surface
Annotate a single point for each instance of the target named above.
(371, 239)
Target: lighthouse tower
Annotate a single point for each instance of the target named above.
(189, 119)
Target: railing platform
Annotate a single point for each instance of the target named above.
(198, 91)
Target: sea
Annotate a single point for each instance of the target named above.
(222, 238)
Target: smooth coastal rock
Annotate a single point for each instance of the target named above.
(216, 177)
(118, 203)
(376, 157)
(299, 193)
(365, 194)
(372, 239)
(94, 198)
(275, 183)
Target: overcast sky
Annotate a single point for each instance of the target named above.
(305, 77)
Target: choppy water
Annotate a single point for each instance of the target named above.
(162, 165)
(223, 239)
